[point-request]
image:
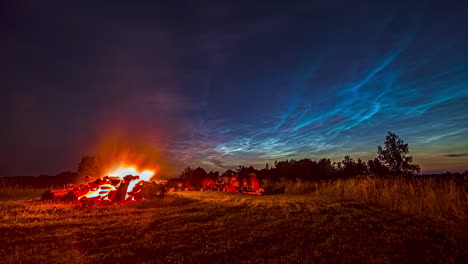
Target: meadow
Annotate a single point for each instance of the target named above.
(361, 220)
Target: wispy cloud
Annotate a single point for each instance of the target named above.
(456, 155)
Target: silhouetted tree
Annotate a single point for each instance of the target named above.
(376, 167)
(350, 168)
(229, 172)
(88, 166)
(287, 169)
(186, 173)
(244, 172)
(213, 175)
(198, 175)
(325, 169)
(361, 167)
(394, 156)
(194, 176)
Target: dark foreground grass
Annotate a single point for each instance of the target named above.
(195, 227)
(10, 193)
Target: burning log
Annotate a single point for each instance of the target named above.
(54, 194)
(150, 190)
(121, 192)
(63, 195)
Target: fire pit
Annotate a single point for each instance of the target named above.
(122, 185)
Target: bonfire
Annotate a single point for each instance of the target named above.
(121, 185)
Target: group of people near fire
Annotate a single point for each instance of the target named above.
(233, 184)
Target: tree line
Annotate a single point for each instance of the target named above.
(392, 161)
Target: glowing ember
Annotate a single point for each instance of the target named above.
(122, 172)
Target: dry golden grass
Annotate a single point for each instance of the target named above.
(423, 196)
(337, 223)
(444, 198)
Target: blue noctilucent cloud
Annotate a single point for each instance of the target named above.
(218, 85)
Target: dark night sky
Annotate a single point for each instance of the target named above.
(217, 84)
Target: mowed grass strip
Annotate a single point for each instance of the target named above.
(203, 227)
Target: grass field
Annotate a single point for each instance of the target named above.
(331, 224)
